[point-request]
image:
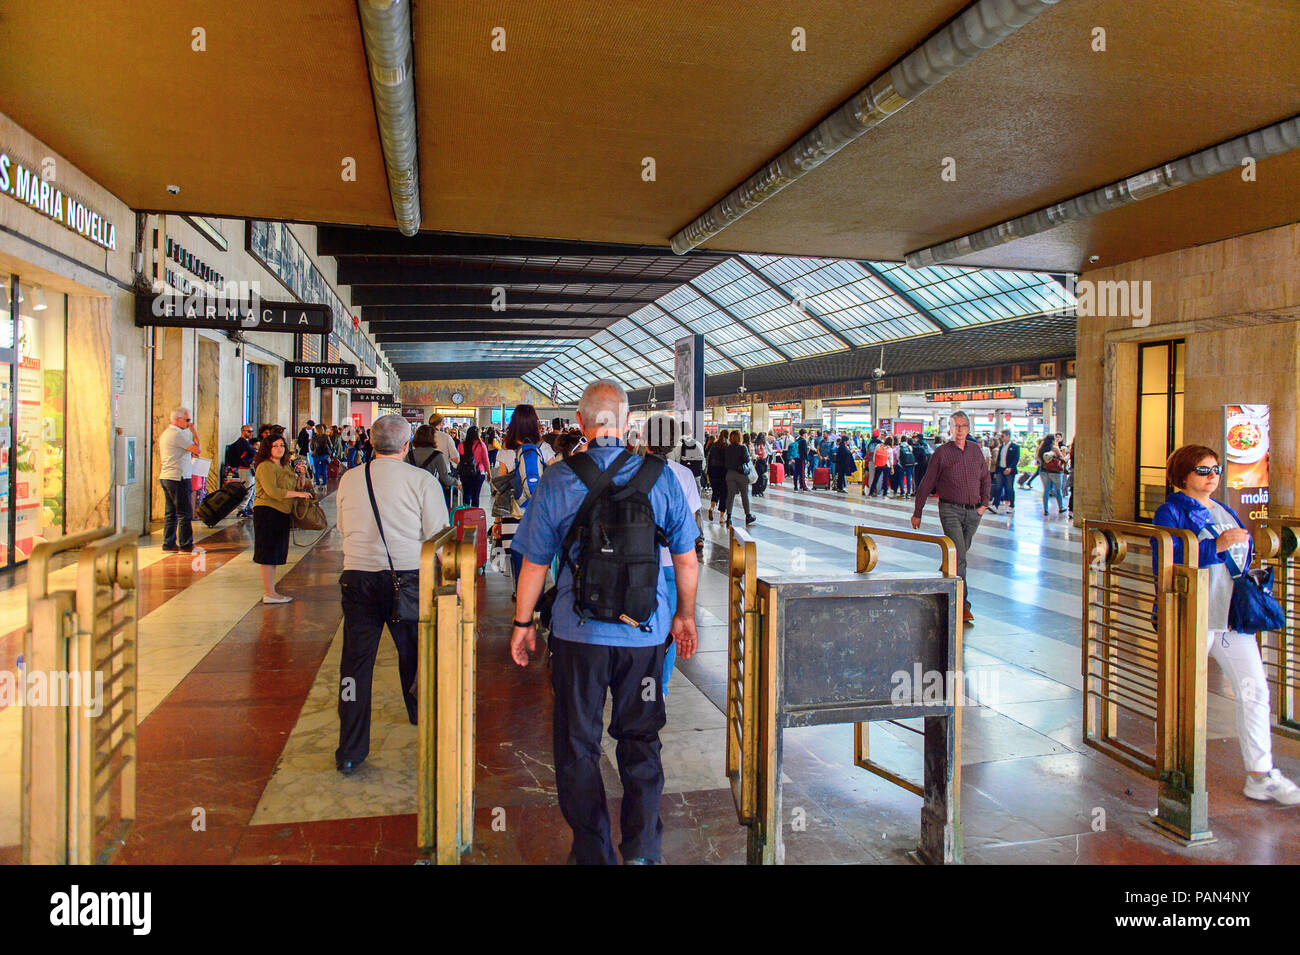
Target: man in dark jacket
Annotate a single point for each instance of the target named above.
(304, 439)
(844, 464)
(1007, 455)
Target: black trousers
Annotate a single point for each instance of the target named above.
(177, 530)
(367, 604)
(580, 675)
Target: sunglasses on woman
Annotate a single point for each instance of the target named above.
(1205, 470)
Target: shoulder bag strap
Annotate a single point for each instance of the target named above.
(370, 489)
(596, 481)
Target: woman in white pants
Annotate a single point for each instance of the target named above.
(1194, 470)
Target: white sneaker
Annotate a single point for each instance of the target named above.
(1274, 786)
(281, 599)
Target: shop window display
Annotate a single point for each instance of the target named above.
(40, 429)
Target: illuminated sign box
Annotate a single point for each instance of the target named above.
(977, 394)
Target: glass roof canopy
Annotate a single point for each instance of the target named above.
(759, 309)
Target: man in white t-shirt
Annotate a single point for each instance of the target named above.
(443, 442)
(176, 445)
(661, 436)
(412, 510)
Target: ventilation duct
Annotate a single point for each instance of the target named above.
(1261, 144)
(386, 31)
(979, 27)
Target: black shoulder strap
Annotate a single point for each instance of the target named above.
(370, 489)
(596, 481)
(647, 474)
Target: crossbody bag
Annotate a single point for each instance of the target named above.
(406, 583)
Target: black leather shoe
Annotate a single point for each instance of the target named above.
(348, 767)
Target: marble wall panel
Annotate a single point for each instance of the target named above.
(88, 481)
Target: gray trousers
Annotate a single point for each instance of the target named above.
(959, 524)
(737, 483)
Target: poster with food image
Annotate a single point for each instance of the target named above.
(1245, 460)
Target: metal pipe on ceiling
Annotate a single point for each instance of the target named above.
(979, 27)
(1261, 144)
(386, 32)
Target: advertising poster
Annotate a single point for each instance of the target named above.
(688, 383)
(1245, 460)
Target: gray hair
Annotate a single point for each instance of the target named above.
(603, 405)
(389, 433)
(960, 414)
(180, 413)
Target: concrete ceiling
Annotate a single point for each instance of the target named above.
(547, 138)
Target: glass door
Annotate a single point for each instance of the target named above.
(1160, 420)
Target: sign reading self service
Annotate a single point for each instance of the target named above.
(348, 381)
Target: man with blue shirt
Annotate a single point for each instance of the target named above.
(591, 657)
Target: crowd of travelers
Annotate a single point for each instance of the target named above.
(603, 528)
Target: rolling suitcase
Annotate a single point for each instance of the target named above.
(332, 470)
(821, 478)
(474, 517)
(218, 505)
(776, 472)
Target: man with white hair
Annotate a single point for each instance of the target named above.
(175, 447)
(386, 511)
(958, 473)
(611, 631)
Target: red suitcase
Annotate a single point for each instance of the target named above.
(822, 478)
(475, 517)
(776, 472)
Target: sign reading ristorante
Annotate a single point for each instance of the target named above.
(976, 394)
(27, 186)
(347, 381)
(232, 311)
(315, 369)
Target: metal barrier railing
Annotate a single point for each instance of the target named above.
(1144, 664)
(1277, 545)
(868, 554)
(446, 633)
(79, 745)
(742, 674)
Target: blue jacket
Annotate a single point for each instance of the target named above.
(1184, 511)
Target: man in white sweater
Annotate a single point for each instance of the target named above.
(382, 534)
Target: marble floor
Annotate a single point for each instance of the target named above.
(236, 745)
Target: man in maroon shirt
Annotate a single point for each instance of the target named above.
(958, 473)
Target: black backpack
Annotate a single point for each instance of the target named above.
(616, 570)
(466, 468)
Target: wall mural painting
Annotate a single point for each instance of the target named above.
(477, 393)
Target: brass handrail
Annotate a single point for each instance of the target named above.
(869, 554)
(78, 754)
(446, 633)
(1277, 545)
(1171, 681)
(742, 675)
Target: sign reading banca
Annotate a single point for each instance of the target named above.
(347, 381)
(200, 310)
(27, 186)
(315, 369)
(379, 397)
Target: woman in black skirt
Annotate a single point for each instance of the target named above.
(273, 512)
